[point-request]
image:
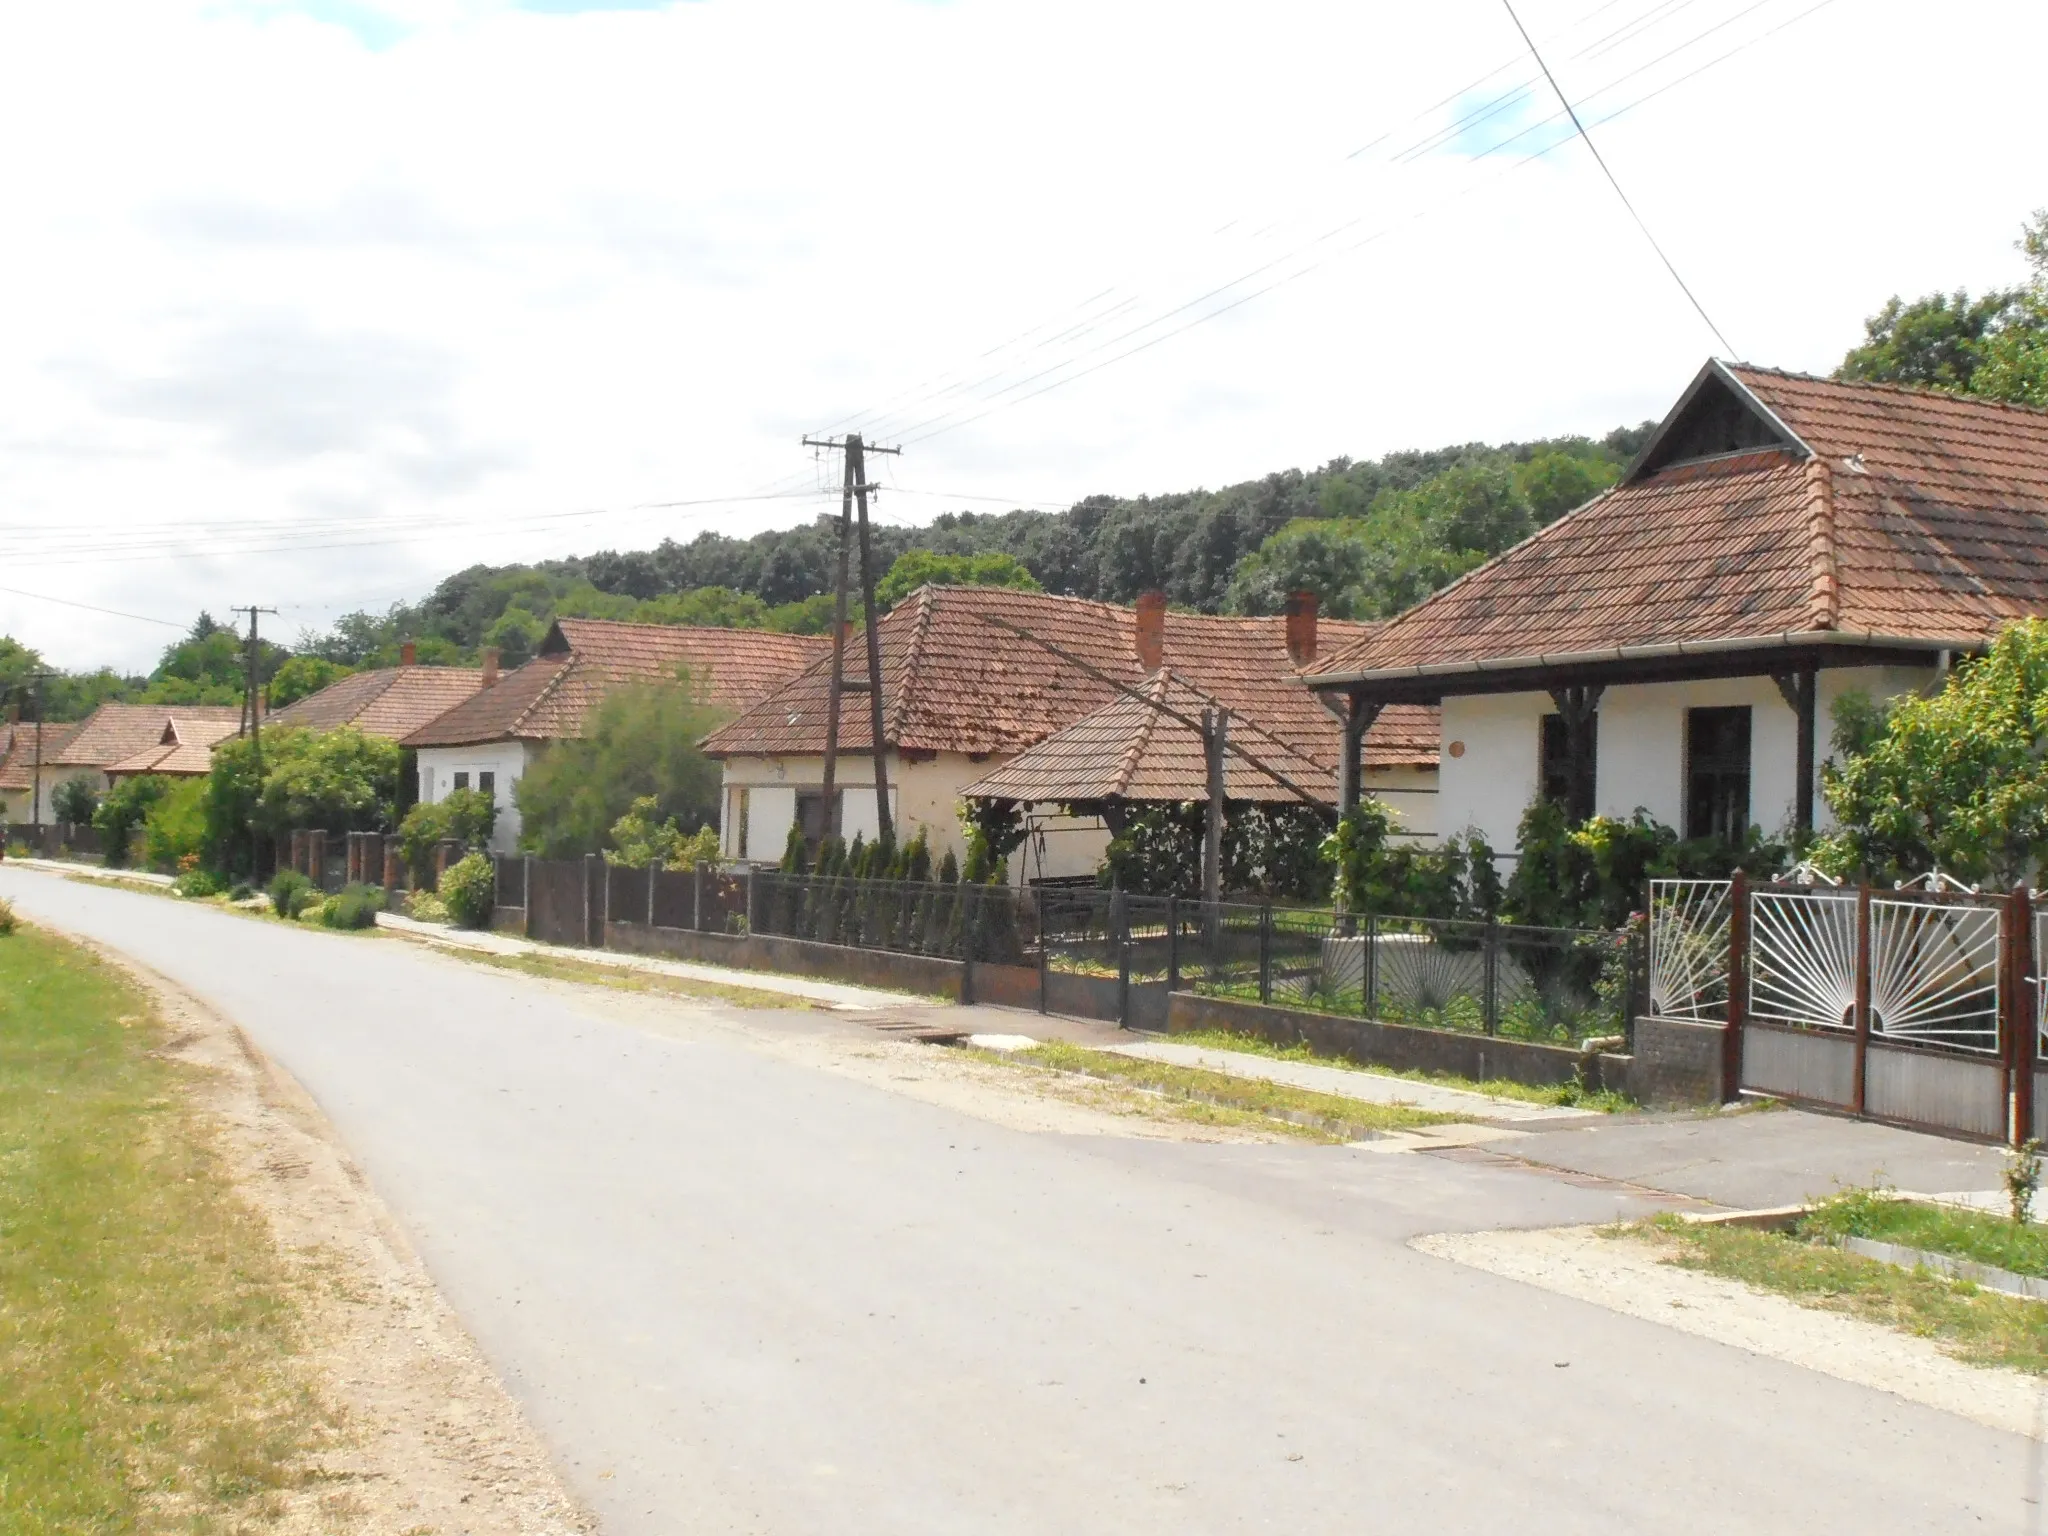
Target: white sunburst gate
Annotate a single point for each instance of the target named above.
(1900, 1005)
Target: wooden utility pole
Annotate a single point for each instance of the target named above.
(854, 497)
(252, 702)
(35, 792)
(1215, 743)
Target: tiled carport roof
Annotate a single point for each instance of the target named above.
(954, 682)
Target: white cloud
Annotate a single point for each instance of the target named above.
(409, 274)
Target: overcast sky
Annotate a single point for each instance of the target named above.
(309, 302)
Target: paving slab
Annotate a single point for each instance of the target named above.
(1765, 1158)
(1346, 1082)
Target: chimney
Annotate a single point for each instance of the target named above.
(490, 665)
(1151, 637)
(409, 654)
(1301, 627)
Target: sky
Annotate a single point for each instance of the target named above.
(311, 302)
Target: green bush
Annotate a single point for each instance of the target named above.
(356, 907)
(77, 798)
(241, 890)
(174, 829)
(425, 907)
(6, 917)
(469, 887)
(291, 893)
(127, 806)
(199, 882)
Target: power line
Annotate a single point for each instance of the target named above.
(964, 414)
(1601, 160)
(44, 597)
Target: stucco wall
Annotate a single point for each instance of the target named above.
(921, 795)
(1641, 759)
(506, 760)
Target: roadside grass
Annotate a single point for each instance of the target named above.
(1975, 1325)
(1316, 1116)
(1563, 1095)
(625, 979)
(148, 1378)
(1982, 1237)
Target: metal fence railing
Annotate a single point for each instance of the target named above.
(996, 924)
(1525, 983)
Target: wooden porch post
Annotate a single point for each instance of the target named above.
(1358, 719)
(1801, 690)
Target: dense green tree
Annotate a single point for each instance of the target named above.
(301, 677)
(122, 811)
(1936, 342)
(1995, 345)
(642, 743)
(337, 781)
(1957, 781)
(921, 567)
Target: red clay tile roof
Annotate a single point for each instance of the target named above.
(184, 749)
(583, 659)
(18, 762)
(391, 702)
(114, 732)
(1893, 513)
(953, 683)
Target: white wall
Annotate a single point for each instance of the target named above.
(1641, 762)
(505, 760)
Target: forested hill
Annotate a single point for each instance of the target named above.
(1369, 537)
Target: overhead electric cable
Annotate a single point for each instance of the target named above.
(1601, 160)
(44, 597)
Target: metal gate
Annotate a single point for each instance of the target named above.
(1916, 1006)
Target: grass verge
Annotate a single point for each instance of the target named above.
(625, 979)
(1975, 1325)
(1321, 1116)
(1567, 1095)
(147, 1330)
(1979, 1236)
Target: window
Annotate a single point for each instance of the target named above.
(810, 813)
(1717, 773)
(487, 783)
(462, 778)
(1557, 757)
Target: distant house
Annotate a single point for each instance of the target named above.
(1678, 643)
(103, 744)
(18, 756)
(490, 738)
(962, 697)
(184, 750)
(391, 702)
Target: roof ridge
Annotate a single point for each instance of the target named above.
(541, 694)
(1917, 391)
(913, 649)
(1824, 596)
(1158, 686)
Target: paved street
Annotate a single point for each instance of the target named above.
(739, 1294)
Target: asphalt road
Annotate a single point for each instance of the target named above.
(737, 1294)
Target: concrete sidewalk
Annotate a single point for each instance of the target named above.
(836, 994)
(92, 871)
(1346, 1082)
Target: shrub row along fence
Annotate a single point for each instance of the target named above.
(1112, 955)
(55, 839)
(1917, 1006)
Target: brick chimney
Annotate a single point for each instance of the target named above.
(1301, 627)
(409, 654)
(1151, 636)
(490, 665)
